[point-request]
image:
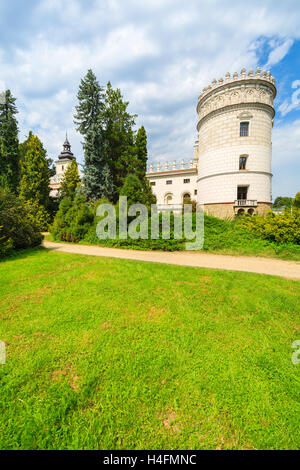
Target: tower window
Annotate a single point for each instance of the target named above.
(187, 180)
(169, 182)
(242, 192)
(244, 129)
(243, 161)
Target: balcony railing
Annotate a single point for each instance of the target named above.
(245, 203)
(169, 207)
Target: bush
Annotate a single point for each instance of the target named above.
(39, 215)
(18, 229)
(73, 220)
(278, 228)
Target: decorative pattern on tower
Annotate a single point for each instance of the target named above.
(256, 87)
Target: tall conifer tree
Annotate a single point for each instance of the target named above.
(141, 153)
(9, 144)
(89, 121)
(119, 142)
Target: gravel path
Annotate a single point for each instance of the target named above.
(275, 267)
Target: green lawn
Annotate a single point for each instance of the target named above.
(115, 354)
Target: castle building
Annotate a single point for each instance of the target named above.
(230, 172)
(64, 160)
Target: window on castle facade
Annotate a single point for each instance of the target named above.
(244, 129)
(195, 192)
(169, 182)
(242, 192)
(243, 162)
(187, 180)
(152, 183)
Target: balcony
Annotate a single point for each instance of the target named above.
(245, 203)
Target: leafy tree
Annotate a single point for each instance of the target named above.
(9, 144)
(296, 202)
(89, 122)
(34, 184)
(119, 142)
(71, 181)
(283, 202)
(23, 147)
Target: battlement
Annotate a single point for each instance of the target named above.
(258, 75)
(175, 166)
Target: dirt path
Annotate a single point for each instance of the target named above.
(275, 267)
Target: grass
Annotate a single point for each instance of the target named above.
(115, 354)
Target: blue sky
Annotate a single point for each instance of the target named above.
(161, 53)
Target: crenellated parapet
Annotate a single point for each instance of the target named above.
(252, 88)
(172, 166)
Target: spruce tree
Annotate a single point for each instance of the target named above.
(71, 181)
(119, 142)
(9, 144)
(89, 122)
(34, 184)
(107, 186)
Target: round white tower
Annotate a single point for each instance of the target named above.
(235, 120)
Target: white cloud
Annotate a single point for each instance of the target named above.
(286, 159)
(294, 103)
(160, 52)
(279, 52)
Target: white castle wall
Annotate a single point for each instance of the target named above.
(177, 189)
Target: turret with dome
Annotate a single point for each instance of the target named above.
(64, 160)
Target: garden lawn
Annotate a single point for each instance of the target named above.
(115, 354)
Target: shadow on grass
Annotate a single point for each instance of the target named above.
(26, 253)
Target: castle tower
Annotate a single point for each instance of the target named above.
(235, 119)
(64, 159)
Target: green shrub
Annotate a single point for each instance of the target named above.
(39, 215)
(278, 228)
(18, 229)
(73, 220)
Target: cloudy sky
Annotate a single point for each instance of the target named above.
(161, 53)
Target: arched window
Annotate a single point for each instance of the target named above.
(186, 196)
(240, 212)
(168, 198)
